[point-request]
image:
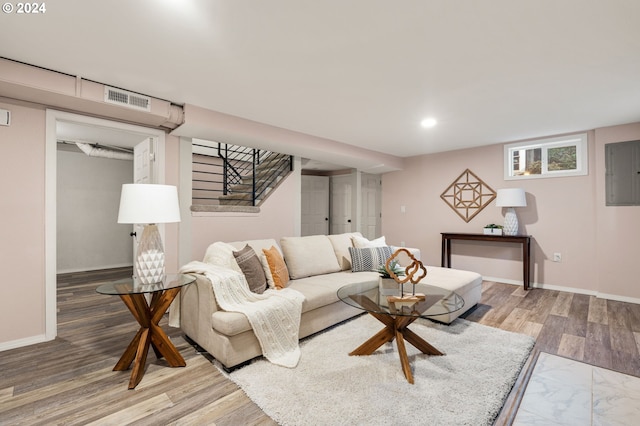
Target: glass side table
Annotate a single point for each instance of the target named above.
(148, 315)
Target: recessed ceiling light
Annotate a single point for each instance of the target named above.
(428, 122)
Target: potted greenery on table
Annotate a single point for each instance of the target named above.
(387, 285)
(493, 229)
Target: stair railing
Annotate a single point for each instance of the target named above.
(231, 174)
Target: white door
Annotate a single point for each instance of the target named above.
(143, 172)
(371, 205)
(315, 205)
(143, 157)
(341, 204)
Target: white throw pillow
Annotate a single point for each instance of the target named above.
(361, 242)
(221, 254)
(341, 244)
(308, 256)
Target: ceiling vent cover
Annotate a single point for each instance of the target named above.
(128, 99)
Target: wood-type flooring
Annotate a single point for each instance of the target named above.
(70, 379)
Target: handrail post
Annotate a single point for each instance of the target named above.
(225, 169)
(253, 186)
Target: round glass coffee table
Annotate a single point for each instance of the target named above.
(397, 313)
(148, 315)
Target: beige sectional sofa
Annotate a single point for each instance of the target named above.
(318, 266)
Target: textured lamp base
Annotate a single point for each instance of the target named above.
(150, 258)
(510, 222)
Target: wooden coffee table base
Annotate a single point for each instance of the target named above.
(149, 334)
(396, 328)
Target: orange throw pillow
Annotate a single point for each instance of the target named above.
(277, 267)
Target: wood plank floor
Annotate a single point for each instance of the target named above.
(70, 380)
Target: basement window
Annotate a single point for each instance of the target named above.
(544, 158)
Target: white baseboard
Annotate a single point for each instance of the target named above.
(568, 290)
(94, 268)
(13, 344)
(618, 298)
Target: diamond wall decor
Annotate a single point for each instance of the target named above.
(468, 195)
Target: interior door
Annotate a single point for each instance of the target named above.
(371, 205)
(315, 205)
(143, 156)
(341, 204)
(143, 172)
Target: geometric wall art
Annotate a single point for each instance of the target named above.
(468, 195)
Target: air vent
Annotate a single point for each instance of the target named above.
(128, 99)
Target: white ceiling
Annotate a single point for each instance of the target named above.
(361, 72)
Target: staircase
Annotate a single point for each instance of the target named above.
(232, 176)
(254, 187)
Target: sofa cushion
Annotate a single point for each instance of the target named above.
(452, 279)
(252, 269)
(318, 291)
(322, 290)
(341, 244)
(308, 256)
(221, 254)
(278, 268)
(369, 259)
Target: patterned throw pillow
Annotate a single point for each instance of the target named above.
(252, 269)
(277, 267)
(369, 259)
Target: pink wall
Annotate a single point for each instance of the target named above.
(171, 177)
(565, 215)
(22, 253)
(618, 228)
(277, 218)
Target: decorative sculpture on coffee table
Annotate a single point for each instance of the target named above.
(413, 273)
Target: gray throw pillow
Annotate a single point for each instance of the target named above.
(252, 269)
(369, 259)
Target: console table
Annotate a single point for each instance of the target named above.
(525, 240)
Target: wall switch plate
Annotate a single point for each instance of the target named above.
(557, 257)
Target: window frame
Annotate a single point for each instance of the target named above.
(577, 140)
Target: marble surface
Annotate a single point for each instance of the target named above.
(566, 392)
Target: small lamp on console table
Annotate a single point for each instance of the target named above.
(149, 204)
(510, 198)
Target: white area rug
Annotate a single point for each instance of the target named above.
(466, 386)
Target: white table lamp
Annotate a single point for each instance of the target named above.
(510, 198)
(149, 204)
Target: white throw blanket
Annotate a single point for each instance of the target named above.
(273, 315)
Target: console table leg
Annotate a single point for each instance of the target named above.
(526, 253)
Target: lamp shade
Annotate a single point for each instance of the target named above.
(148, 203)
(511, 197)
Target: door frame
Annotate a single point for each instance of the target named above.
(51, 176)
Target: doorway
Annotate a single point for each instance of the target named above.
(63, 125)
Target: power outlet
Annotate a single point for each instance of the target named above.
(557, 257)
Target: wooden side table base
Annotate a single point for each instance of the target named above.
(149, 334)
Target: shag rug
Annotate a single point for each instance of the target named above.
(466, 386)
